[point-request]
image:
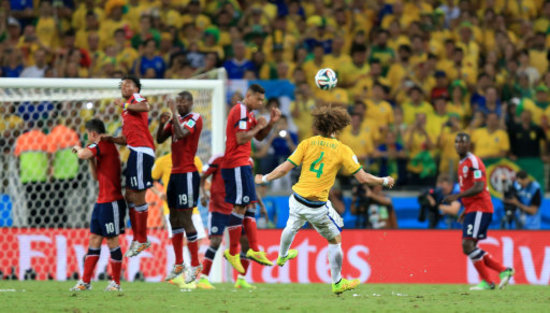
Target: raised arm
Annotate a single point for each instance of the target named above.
(179, 132)
(275, 115)
(142, 106)
(244, 137)
(120, 140)
(86, 154)
(162, 133)
(278, 172)
(371, 180)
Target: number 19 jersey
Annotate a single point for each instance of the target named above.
(321, 158)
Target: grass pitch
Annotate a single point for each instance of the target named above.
(49, 296)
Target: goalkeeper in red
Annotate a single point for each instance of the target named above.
(236, 171)
(477, 214)
(135, 134)
(108, 214)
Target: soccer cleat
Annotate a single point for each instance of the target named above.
(241, 283)
(180, 282)
(292, 253)
(129, 252)
(177, 270)
(234, 260)
(259, 257)
(483, 285)
(113, 286)
(191, 273)
(204, 283)
(505, 277)
(137, 248)
(81, 286)
(344, 285)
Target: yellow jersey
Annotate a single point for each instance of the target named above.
(321, 159)
(488, 144)
(161, 171)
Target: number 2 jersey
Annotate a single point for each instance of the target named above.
(321, 159)
(471, 170)
(135, 126)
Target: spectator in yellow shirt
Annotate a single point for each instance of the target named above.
(300, 110)
(358, 139)
(400, 69)
(420, 145)
(416, 105)
(446, 143)
(46, 28)
(378, 109)
(351, 72)
(491, 141)
(318, 62)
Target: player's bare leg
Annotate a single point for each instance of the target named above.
(139, 211)
(241, 282)
(192, 244)
(90, 261)
(115, 263)
(335, 257)
(470, 249)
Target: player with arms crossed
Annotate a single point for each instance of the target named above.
(321, 157)
(240, 191)
(477, 214)
(218, 216)
(182, 192)
(135, 134)
(108, 214)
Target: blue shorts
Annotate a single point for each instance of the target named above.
(239, 185)
(217, 222)
(183, 190)
(138, 170)
(476, 224)
(108, 218)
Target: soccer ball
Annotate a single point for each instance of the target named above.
(326, 79)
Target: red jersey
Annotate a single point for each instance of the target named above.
(239, 120)
(135, 125)
(470, 170)
(217, 187)
(184, 150)
(108, 171)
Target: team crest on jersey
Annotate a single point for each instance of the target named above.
(246, 199)
(477, 174)
(465, 170)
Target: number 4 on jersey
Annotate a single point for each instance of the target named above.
(313, 166)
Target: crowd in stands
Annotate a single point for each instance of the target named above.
(413, 73)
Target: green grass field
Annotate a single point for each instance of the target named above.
(48, 296)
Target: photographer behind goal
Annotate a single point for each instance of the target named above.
(431, 206)
(522, 201)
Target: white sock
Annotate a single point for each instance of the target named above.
(286, 240)
(335, 256)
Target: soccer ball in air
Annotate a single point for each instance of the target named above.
(326, 79)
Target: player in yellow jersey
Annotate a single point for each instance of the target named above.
(321, 157)
(161, 171)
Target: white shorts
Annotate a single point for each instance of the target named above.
(197, 222)
(325, 219)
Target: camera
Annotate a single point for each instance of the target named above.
(509, 193)
(427, 210)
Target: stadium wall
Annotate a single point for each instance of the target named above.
(373, 256)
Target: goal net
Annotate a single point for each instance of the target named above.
(47, 194)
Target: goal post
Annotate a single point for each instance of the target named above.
(36, 237)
